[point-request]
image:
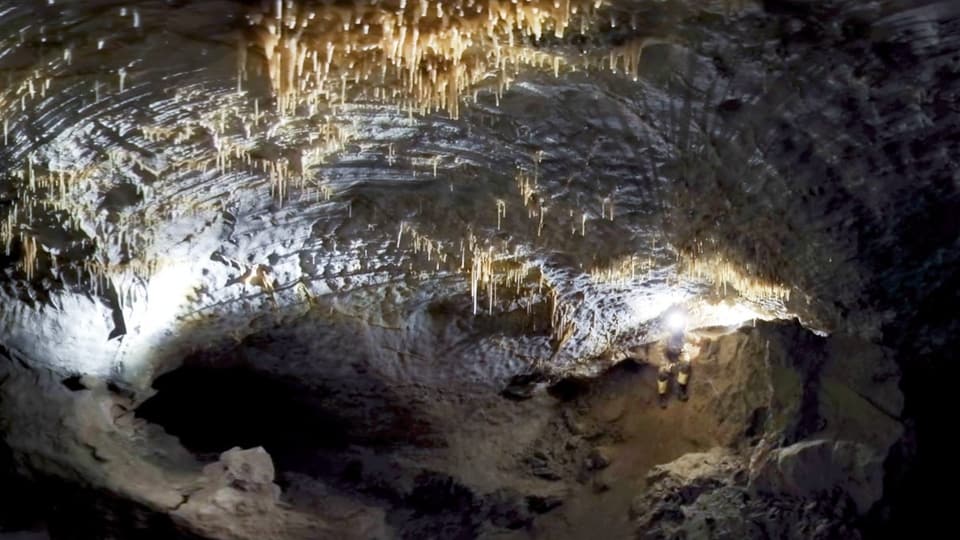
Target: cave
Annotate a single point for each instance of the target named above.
(477, 269)
(212, 410)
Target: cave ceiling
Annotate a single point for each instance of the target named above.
(511, 183)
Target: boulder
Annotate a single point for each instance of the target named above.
(818, 468)
(806, 423)
(599, 458)
(704, 496)
(235, 498)
(244, 470)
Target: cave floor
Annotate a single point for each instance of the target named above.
(584, 453)
(631, 431)
(235, 449)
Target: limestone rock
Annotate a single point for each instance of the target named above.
(236, 498)
(779, 383)
(814, 469)
(160, 200)
(703, 496)
(810, 421)
(245, 470)
(599, 458)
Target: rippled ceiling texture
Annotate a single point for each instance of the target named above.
(583, 166)
(467, 190)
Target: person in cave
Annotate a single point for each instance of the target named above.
(676, 360)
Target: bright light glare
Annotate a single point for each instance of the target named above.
(726, 314)
(676, 321)
(166, 292)
(650, 306)
(153, 317)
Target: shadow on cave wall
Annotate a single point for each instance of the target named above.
(340, 426)
(311, 420)
(225, 396)
(211, 409)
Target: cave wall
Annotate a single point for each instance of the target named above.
(789, 158)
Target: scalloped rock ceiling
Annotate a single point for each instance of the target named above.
(459, 192)
(215, 164)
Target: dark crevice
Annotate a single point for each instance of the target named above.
(883, 410)
(22, 502)
(116, 313)
(120, 390)
(214, 409)
(757, 424)
(319, 432)
(74, 383)
(925, 344)
(570, 388)
(522, 386)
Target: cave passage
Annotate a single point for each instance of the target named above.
(213, 409)
(422, 268)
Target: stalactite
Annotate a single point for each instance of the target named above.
(722, 272)
(621, 271)
(430, 58)
(421, 57)
(29, 263)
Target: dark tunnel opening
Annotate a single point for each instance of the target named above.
(213, 409)
(340, 435)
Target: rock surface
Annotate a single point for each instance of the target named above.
(356, 288)
(704, 496)
(807, 425)
(760, 448)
